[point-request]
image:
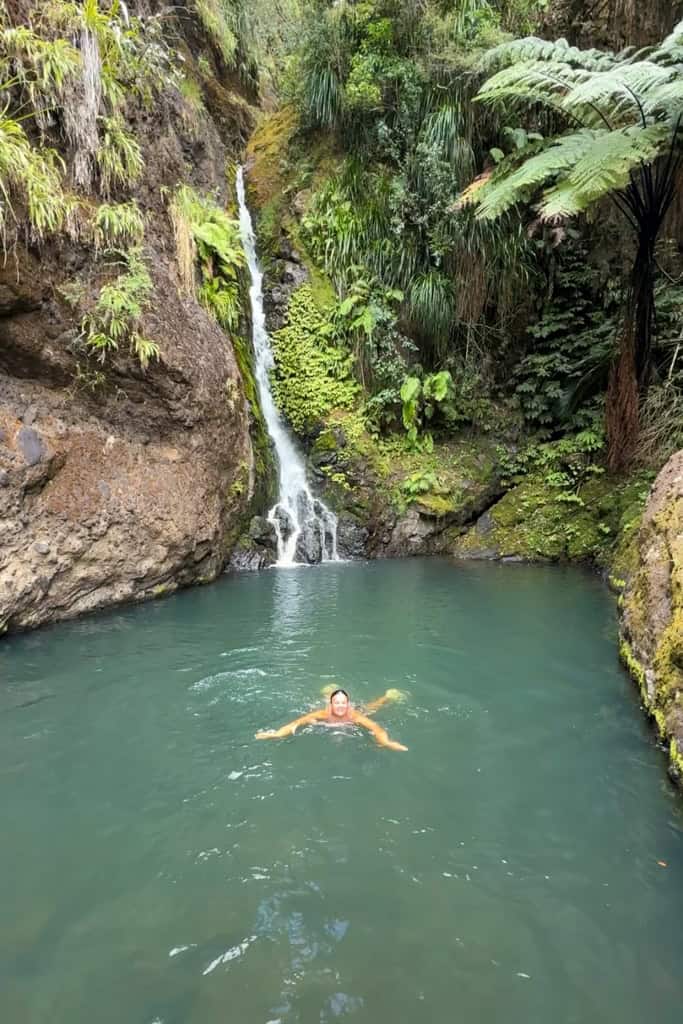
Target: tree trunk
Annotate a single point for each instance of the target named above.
(631, 369)
(621, 404)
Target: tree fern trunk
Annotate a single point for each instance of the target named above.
(630, 372)
(621, 408)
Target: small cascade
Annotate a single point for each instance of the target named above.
(306, 529)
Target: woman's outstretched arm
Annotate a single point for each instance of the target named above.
(291, 727)
(380, 734)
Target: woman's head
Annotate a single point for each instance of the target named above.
(339, 703)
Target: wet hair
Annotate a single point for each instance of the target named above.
(335, 692)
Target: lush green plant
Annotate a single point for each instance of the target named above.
(620, 138)
(207, 236)
(422, 398)
(118, 224)
(119, 156)
(117, 315)
(424, 481)
(569, 340)
(34, 176)
(312, 375)
(563, 465)
(216, 16)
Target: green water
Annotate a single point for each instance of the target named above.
(158, 864)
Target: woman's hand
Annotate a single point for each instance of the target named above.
(393, 745)
(267, 734)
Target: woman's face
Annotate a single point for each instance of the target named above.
(340, 705)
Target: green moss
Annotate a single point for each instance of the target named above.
(676, 759)
(312, 376)
(668, 661)
(438, 504)
(266, 153)
(321, 287)
(536, 521)
(635, 669)
(326, 441)
(263, 459)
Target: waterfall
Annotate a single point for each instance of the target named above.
(306, 529)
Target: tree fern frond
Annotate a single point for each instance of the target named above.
(605, 167)
(535, 80)
(616, 93)
(670, 50)
(667, 102)
(508, 188)
(542, 50)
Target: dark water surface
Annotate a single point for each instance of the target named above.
(158, 864)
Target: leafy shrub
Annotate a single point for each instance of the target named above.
(422, 397)
(564, 465)
(119, 156)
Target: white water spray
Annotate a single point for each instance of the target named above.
(306, 529)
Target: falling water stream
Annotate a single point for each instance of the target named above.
(306, 529)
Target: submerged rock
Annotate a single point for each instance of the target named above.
(652, 611)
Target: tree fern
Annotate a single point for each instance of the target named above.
(622, 139)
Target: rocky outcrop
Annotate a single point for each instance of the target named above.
(534, 522)
(652, 611)
(612, 24)
(386, 505)
(119, 483)
(127, 492)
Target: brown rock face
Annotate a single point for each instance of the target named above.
(612, 24)
(118, 483)
(122, 495)
(652, 614)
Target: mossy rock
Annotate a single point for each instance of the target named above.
(266, 155)
(536, 522)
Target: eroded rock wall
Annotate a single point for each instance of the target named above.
(652, 611)
(118, 483)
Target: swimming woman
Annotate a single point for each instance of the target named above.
(340, 712)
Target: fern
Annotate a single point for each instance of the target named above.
(35, 176)
(622, 139)
(118, 224)
(205, 234)
(119, 156)
(117, 315)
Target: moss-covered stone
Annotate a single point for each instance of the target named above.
(267, 156)
(652, 610)
(537, 522)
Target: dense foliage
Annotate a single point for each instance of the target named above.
(619, 118)
(422, 211)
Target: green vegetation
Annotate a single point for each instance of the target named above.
(117, 315)
(118, 224)
(207, 236)
(618, 136)
(418, 201)
(312, 374)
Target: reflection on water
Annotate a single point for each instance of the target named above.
(163, 866)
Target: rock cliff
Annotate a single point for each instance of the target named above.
(652, 611)
(119, 482)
